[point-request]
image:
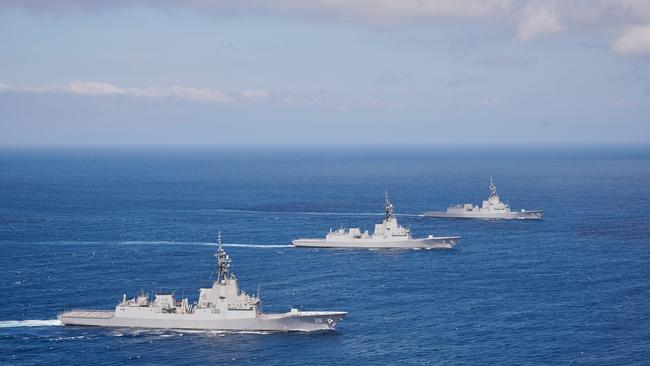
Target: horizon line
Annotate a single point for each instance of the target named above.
(316, 146)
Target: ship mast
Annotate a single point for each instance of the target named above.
(493, 189)
(388, 209)
(223, 261)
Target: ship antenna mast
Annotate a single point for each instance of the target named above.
(493, 188)
(388, 209)
(223, 261)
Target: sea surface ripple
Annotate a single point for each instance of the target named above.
(78, 230)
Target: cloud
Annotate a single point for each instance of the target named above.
(532, 19)
(538, 20)
(95, 88)
(255, 94)
(374, 10)
(183, 92)
(635, 41)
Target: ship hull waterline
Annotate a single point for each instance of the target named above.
(446, 242)
(301, 322)
(516, 215)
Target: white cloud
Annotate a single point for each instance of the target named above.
(255, 94)
(94, 88)
(538, 20)
(377, 10)
(635, 41)
(182, 92)
(373, 10)
(401, 10)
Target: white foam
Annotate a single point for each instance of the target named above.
(158, 242)
(66, 338)
(210, 244)
(29, 323)
(258, 245)
(314, 213)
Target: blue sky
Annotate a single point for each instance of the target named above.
(324, 72)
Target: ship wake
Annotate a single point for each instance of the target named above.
(236, 245)
(161, 242)
(312, 213)
(29, 323)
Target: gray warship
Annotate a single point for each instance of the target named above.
(220, 307)
(493, 208)
(387, 235)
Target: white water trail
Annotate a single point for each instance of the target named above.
(29, 323)
(162, 242)
(258, 245)
(236, 245)
(314, 213)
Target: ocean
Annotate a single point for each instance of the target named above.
(81, 227)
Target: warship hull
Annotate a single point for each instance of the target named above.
(446, 242)
(513, 215)
(300, 321)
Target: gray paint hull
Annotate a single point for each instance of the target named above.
(288, 322)
(513, 215)
(447, 242)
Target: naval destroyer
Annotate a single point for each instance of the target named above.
(389, 234)
(493, 208)
(220, 307)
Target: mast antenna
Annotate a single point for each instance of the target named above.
(223, 261)
(388, 209)
(492, 188)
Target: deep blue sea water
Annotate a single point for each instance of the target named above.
(78, 228)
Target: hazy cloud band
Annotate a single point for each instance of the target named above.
(79, 87)
(532, 19)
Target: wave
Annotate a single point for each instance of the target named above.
(29, 323)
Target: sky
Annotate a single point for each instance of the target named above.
(351, 72)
